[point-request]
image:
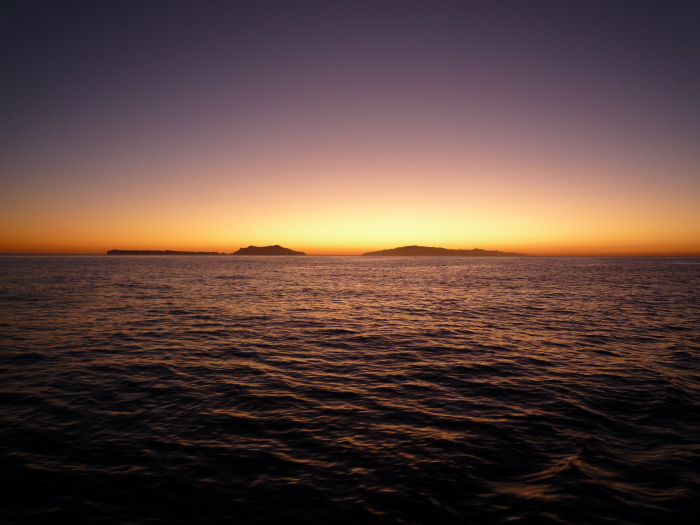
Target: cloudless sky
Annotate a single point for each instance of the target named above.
(545, 127)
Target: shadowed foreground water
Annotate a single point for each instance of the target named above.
(349, 390)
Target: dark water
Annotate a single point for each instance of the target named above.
(349, 390)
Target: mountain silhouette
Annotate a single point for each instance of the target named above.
(267, 250)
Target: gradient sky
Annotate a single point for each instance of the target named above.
(342, 127)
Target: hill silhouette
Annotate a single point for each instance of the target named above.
(427, 251)
(267, 250)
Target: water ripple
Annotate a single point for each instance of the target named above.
(349, 390)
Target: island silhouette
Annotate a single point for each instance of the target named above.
(158, 252)
(428, 251)
(266, 250)
(403, 251)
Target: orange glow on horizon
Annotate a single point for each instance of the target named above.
(338, 139)
(369, 204)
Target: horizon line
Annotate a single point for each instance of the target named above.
(68, 254)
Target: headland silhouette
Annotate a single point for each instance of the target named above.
(427, 251)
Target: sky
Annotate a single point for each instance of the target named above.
(544, 127)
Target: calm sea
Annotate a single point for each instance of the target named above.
(328, 390)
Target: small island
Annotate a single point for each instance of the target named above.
(267, 250)
(158, 252)
(427, 251)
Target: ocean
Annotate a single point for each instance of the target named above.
(358, 390)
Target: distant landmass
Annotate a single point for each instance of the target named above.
(158, 252)
(407, 251)
(266, 250)
(403, 251)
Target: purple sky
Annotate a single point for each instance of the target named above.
(558, 127)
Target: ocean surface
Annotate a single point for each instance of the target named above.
(326, 390)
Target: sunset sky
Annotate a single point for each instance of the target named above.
(342, 127)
